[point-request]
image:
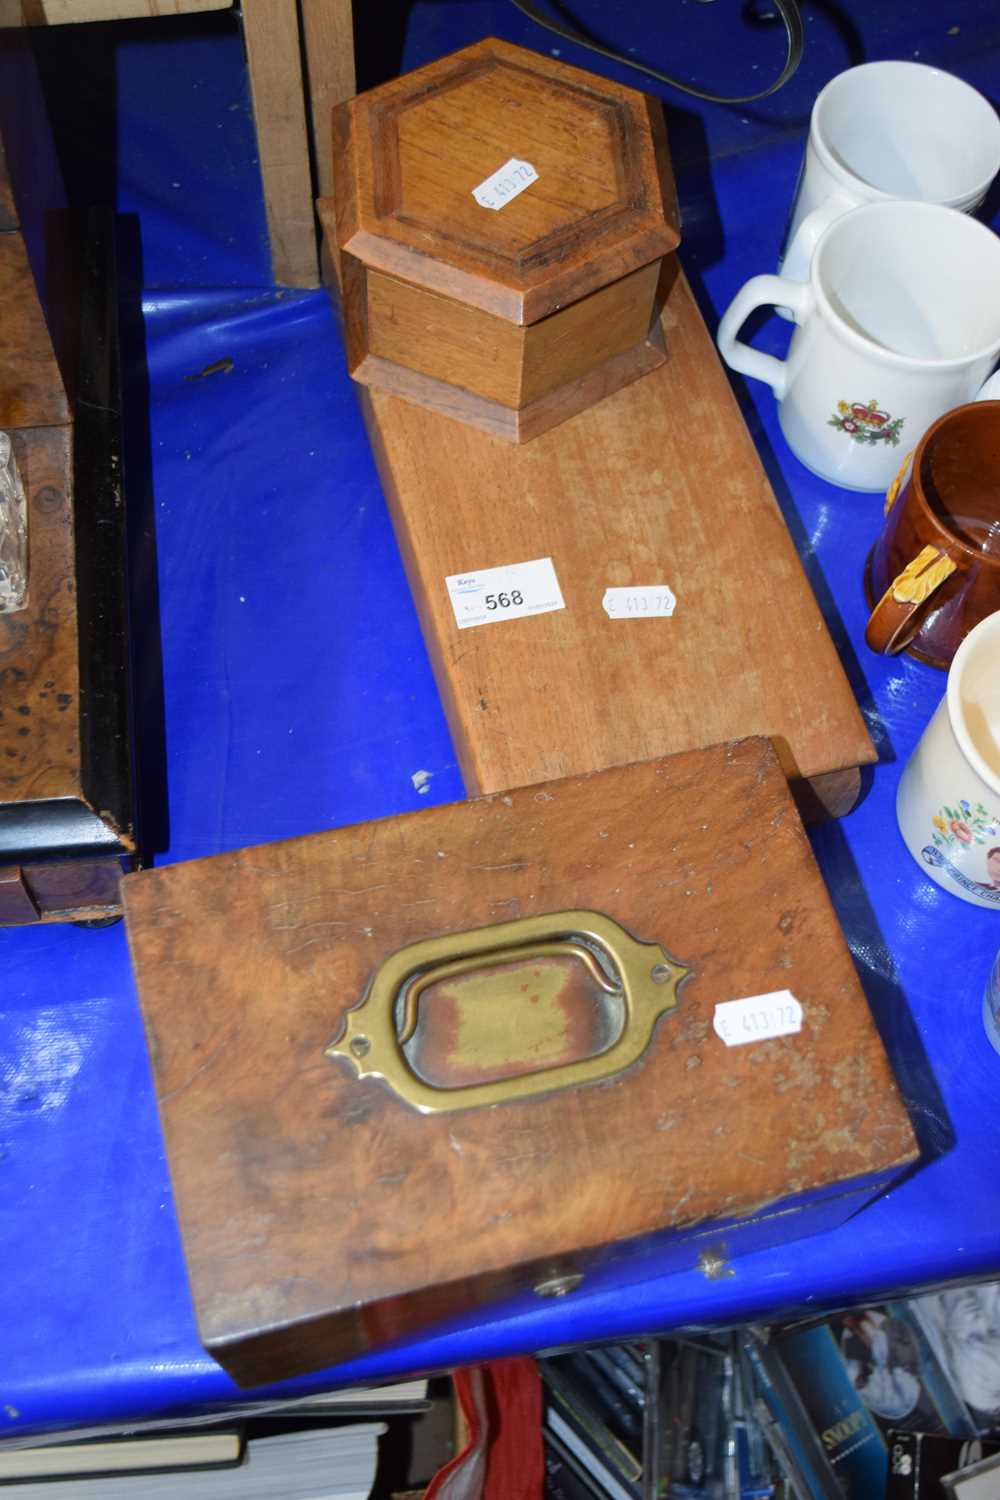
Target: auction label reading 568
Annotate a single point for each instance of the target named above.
(508, 593)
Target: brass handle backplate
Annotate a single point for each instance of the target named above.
(642, 977)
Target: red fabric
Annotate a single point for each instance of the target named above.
(503, 1459)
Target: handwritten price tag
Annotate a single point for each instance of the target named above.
(492, 594)
(643, 601)
(758, 1018)
(503, 185)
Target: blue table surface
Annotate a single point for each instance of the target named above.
(284, 688)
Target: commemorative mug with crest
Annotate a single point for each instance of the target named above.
(889, 130)
(898, 322)
(948, 802)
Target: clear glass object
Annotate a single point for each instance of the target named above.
(13, 531)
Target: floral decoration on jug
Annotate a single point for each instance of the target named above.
(964, 823)
(866, 423)
(957, 829)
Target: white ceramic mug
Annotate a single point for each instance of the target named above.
(991, 1005)
(899, 321)
(948, 802)
(890, 130)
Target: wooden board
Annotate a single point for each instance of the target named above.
(322, 1214)
(271, 32)
(659, 483)
(61, 12)
(328, 34)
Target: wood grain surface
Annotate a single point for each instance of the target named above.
(322, 1214)
(49, 227)
(31, 387)
(39, 669)
(79, 890)
(17, 906)
(8, 208)
(511, 319)
(659, 483)
(271, 32)
(61, 12)
(504, 362)
(408, 155)
(328, 34)
(520, 424)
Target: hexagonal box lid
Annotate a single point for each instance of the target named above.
(599, 200)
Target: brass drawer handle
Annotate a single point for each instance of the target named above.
(641, 976)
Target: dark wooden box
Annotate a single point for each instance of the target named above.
(331, 1202)
(67, 820)
(67, 812)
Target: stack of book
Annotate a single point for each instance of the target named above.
(325, 1463)
(296, 1450)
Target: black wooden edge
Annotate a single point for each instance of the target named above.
(106, 738)
(53, 828)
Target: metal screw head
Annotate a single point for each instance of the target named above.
(660, 973)
(558, 1286)
(360, 1046)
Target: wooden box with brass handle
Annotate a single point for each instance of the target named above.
(489, 1050)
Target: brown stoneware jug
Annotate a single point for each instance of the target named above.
(934, 572)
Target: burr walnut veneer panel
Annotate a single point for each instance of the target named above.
(322, 1213)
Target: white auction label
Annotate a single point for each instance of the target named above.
(758, 1018)
(505, 183)
(491, 594)
(643, 601)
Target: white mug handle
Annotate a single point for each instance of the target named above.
(798, 257)
(761, 291)
(991, 389)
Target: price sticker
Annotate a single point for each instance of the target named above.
(644, 601)
(757, 1019)
(509, 593)
(504, 185)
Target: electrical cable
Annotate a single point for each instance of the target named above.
(788, 11)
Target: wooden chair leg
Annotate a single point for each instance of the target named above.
(271, 33)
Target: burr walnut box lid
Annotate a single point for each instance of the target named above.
(412, 1066)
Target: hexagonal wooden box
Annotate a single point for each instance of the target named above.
(518, 306)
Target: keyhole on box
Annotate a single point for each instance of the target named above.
(558, 1286)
